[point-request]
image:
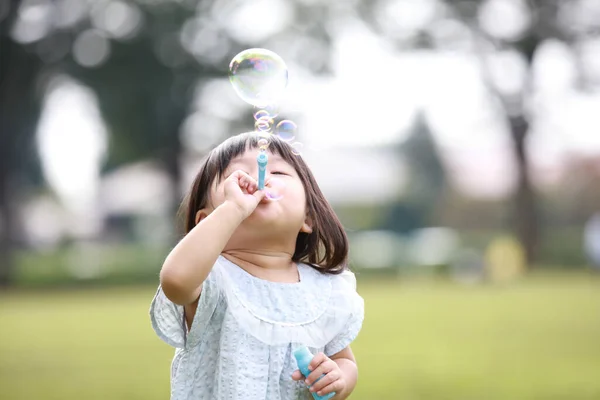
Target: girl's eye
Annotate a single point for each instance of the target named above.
(278, 173)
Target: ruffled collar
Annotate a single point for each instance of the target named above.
(278, 303)
(311, 312)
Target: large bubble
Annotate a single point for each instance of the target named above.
(258, 76)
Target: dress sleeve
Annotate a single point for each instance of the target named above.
(168, 319)
(355, 320)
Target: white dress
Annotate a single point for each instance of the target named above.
(245, 329)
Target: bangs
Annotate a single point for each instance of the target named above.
(220, 158)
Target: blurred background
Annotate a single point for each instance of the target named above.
(457, 140)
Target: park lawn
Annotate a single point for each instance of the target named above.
(536, 339)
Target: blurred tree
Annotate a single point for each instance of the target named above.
(507, 33)
(143, 95)
(576, 199)
(427, 184)
(144, 59)
(19, 109)
(428, 180)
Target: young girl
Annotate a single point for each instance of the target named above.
(253, 279)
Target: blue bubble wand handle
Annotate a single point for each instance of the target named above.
(262, 168)
(303, 358)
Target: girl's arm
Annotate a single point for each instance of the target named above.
(192, 259)
(190, 262)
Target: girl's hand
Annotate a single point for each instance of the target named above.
(333, 381)
(242, 190)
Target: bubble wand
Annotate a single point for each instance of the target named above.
(262, 159)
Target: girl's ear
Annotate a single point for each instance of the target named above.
(200, 215)
(306, 228)
(307, 225)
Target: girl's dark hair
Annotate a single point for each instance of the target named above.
(326, 248)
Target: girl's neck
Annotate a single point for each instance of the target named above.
(269, 265)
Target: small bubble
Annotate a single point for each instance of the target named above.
(264, 124)
(263, 143)
(261, 114)
(286, 130)
(297, 148)
(267, 111)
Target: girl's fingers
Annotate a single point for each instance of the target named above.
(240, 175)
(245, 181)
(332, 387)
(259, 194)
(317, 360)
(297, 375)
(252, 186)
(322, 369)
(325, 381)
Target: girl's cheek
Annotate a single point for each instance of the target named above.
(219, 195)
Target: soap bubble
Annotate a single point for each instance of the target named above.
(274, 189)
(263, 124)
(270, 111)
(263, 143)
(297, 148)
(261, 114)
(258, 76)
(286, 130)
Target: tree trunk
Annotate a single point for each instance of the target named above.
(6, 227)
(19, 111)
(172, 162)
(526, 218)
(168, 123)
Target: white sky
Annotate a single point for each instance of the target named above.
(72, 144)
(373, 97)
(72, 141)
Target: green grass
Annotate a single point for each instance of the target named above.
(537, 339)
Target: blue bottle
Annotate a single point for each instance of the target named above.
(303, 358)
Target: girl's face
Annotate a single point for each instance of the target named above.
(286, 212)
